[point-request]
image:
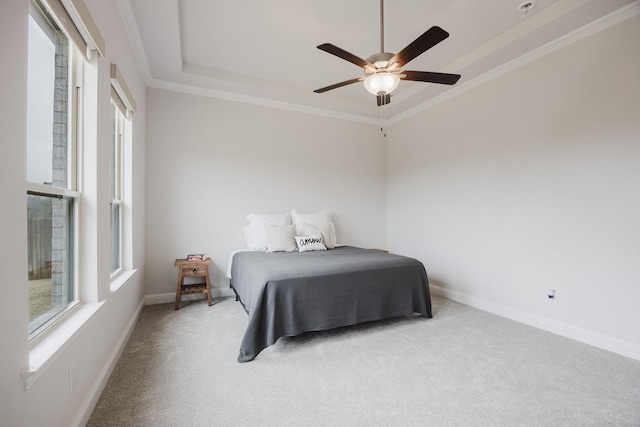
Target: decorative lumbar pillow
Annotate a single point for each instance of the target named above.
(320, 219)
(255, 236)
(327, 231)
(312, 242)
(280, 238)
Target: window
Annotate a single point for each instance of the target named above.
(54, 70)
(115, 184)
(122, 110)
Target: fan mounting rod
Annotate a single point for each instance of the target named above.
(381, 26)
(379, 60)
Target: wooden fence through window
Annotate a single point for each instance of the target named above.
(39, 248)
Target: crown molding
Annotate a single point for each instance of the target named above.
(254, 100)
(620, 15)
(133, 32)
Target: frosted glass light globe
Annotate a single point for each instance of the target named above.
(381, 83)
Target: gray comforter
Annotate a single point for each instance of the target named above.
(288, 293)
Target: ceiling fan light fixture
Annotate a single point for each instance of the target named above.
(382, 83)
(383, 69)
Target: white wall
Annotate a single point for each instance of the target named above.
(211, 162)
(49, 400)
(530, 182)
(13, 243)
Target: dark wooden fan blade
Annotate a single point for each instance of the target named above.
(383, 99)
(429, 77)
(337, 85)
(341, 53)
(426, 41)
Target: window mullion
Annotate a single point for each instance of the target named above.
(34, 187)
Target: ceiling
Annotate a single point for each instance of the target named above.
(265, 51)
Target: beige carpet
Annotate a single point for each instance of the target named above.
(463, 367)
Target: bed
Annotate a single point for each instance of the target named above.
(289, 293)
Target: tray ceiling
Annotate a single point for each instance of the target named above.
(265, 52)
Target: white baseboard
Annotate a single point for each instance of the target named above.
(170, 297)
(595, 339)
(85, 410)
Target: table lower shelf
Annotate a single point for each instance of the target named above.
(193, 288)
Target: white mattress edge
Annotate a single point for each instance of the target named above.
(229, 263)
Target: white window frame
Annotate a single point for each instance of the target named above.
(75, 65)
(118, 177)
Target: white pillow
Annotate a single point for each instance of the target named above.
(312, 242)
(270, 218)
(255, 236)
(280, 238)
(298, 219)
(251, 238)
(328, 232)
(318, 219)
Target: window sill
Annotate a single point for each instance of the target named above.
(46, 348)
(120, 278)
(44, 352)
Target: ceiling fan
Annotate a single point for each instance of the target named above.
(382, 70)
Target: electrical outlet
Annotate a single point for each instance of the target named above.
(72, 377)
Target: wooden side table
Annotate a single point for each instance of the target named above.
(192, 269)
